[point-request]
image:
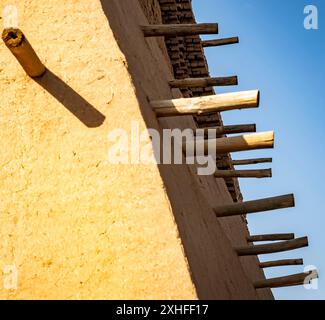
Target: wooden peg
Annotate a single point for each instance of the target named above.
(293, 280)
(173, 30)
(220, 42)
(222, 130)
(204, 82)
(206, 104)
(264, 140)
(271, 237)
(19, 46)
(243, 208)
(281, 263)
(265, 173)
(251, 161)
(273, 247)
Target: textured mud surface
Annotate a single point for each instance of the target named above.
(73, 225)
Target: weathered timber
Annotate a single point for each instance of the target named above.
(264, 140)
(262, 173)
(23, 51)
(221, 130)
(281, 263)
(243, 208)
(204, 82)
(206, 104)
(271, 237)
(220, 42)
(273, 247)
(292, 280)
(172, 30)
(251, 161)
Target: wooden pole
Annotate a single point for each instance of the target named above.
(293, 280)
(273, 247)
(204, 82)
(248, 207)
(172, 30)
(206, 104)
(221, 130)
(265, 173)
(271, 237)
(219, 42)
(281, 263)
(23, 51)
(264, 140)
(251, 161)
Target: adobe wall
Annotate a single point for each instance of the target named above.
(76, 226)
(188, 60)
(73, 225)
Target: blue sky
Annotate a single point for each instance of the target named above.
(287, 63)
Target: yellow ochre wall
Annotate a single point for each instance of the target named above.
(73, 225)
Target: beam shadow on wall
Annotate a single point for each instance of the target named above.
(69, 98)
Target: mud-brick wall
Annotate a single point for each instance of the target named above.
(74, 225)
(187, 59)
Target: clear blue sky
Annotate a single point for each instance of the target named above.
(287, 63)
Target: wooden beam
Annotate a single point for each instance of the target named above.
(271, 237)
(219, 42)
(206, 104)
(172, 30)
(273, 247)
(281, 263)
(204, 82)
(19, 46)
(243, 208)
(264, 140)
(293, 280)
(221, 130)
(265, 173)
(251, 161)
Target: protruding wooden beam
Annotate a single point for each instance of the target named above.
(251, 161)
(255, 206)
(204, 82)
(23, 51)
(264, 140)
(219, 42)
(273, 247)
(281, 263)
(206, 104)
(172, 30)
(271, 237)
(221, 130)
(293, 280)
(265, 173)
